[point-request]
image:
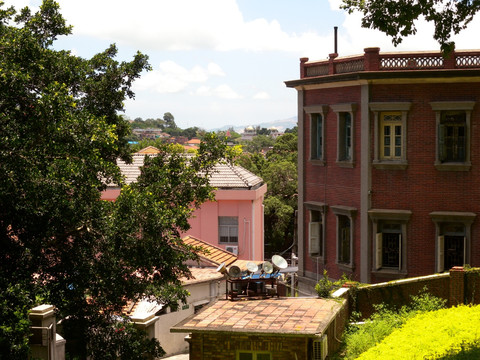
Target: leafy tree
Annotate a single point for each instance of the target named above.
(280, 203)
(254, 162)
(278, 168)
(258, 143)
(60, 137)
(262, 131)
(169, 121)
(139, 123)
(396, 18)
(293, 130)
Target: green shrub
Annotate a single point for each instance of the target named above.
(441, 334)
(324, 286)
(360, 338)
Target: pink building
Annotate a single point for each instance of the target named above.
(233, 222)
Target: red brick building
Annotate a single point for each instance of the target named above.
(389, 164)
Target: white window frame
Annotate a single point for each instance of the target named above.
(378, 108)
(442, 106)
(317, 113)
(341, 110)
(316, 230)
(441, 217)
(378, 216)
(350, 213)
(228, 227)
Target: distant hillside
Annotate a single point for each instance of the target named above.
(281, 125)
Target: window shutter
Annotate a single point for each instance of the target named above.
(314, 238)
(441, 252)
(464, 250)
(378, 250)
(399, 251)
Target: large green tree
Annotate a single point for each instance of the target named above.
(396, 18)
(60, 137)
(278, 168)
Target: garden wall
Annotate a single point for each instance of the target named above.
(459, 286)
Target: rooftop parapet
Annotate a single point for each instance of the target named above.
(373, 60)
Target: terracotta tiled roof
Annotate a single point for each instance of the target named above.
(225, 176)
(233, 176)
(148, 150)
(214, 255)
(202, 275)
(287, 316)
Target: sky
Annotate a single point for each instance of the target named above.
(224, 62)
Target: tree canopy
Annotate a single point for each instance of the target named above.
(60, 137)
(396, 18)
(278, 168)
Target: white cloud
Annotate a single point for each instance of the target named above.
(352, 38)
(222, 91)
(169, 77)
(263, 95)
(180, 25)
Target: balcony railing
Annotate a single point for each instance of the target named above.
(373, 60)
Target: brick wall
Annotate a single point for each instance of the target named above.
(223, 346)
(420, 188)
(457, 287)
(332, 184)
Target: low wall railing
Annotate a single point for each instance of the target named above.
(373, 60)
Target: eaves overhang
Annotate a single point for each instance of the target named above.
(372, 77)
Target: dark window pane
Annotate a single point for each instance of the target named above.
(390, 250)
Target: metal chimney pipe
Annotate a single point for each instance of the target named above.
(335, 28)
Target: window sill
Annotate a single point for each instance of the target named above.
(453, 166)
(389, 165)
(346, 267)
(345, 163)
(390, 273)
(317, 162)
(317, 257)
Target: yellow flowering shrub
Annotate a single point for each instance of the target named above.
(431, 335)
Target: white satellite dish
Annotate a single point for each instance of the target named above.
(222, 268)
(234, 271)
(279, 262)
(267, 267)
(252, 267)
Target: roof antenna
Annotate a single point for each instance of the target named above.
(335, 28)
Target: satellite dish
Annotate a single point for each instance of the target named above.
(222, 268)
(267, 267)
(252, 267)
(279, 262)
(234, 271)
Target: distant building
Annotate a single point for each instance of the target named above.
(233, 222)
(274, 133)
(151, 134)
(389, 164)
(249, 133)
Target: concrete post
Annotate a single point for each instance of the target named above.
(42, 342)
